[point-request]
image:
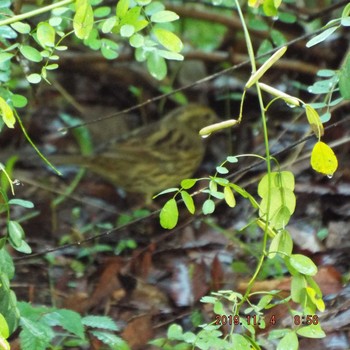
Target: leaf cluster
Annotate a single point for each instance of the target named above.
(41, 327)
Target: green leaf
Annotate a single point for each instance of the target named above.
(52, 66)
(137, 40)
(208, 207)
(93, 41)
(164, 17)
(19, 101)
(24, 248)
(127, 30)
(143, 2)
(270, 7)
(109, 49)
(7, 114)
(281, 243)
(114, 342)
(4, 328)
(46, 34)
(312, 331)
(103, 322)
(232, 159)
(170, 55)
(175, 332)
(34, 78)
(282, 198)
(108, 24)
(287, 17)
(188, 183)
(132, 16)
(29, 341)
(168, 190)
(67, 319)
(153, 7)
(156, 65)
(20, 27)
(209, 299)
(278, 38)
(169, 214)
(345, 22)
(282, 206)
(21, 202)
(213, 186)
(6, 264)
(215, 194)
(168, 39)
(16, 233)
(288, 342)
(298, 286)
(122, 8)
(6, 32)
(321, 37)
(39, 331)
(218, 308)
(264, 47)
(219, 180)
(140, 24)
(264, 301)
(326, 73)
(5, 56)
(30, 53)
(83, 19)
(222, 170)
(344, 79)
(240, 342)
(102, 11)
(324, 86)
(303, 264)
(188, 200)
(55, 21)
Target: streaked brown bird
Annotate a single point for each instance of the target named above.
(154, 157)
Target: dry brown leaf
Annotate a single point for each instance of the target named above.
(138, 332)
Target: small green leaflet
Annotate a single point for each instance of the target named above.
(169, 214)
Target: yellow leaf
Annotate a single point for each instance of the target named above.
(7, 114)
(314, 121)
(323, 159)
(229, 197)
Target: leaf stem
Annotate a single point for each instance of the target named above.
(267, 150)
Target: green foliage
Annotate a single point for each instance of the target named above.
(8, 306)
(277, 198)
(146, 25)
(328, 87)
(331, 27)
(332, 81)
(4, 333)
(169, 214)
(344, 79)
(208, 338)
(277, 205)
(39, 328)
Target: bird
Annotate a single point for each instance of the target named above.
(153, 157)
